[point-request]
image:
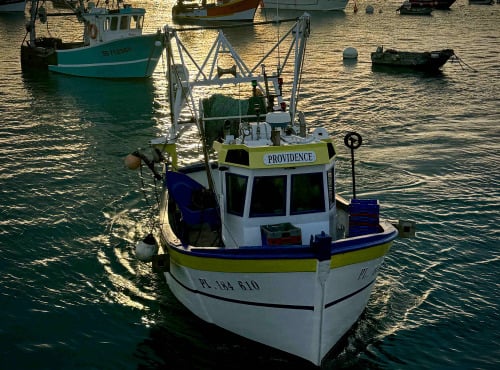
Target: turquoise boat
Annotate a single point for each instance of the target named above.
(113, 44)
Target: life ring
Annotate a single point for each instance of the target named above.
(92, 29)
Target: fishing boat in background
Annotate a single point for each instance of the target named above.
(407, 8)
(113, 44)
(305, 4)
(255, 237)
(215, 10)
(435, 4)
(12, 5)
(424, 61)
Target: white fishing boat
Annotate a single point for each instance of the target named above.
(309, 5)
(112, 45)
(254, 237)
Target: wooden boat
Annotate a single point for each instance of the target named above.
(305, 4)
(12, 5)
(255, 238)
(408, 9)
(426, 61)
(215, 10)
(434, 4)
(113, 44)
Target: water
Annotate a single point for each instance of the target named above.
(72, 294)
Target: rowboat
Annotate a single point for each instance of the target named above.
(215, 10)
(113, 44)
(254, 236)
(425, 61)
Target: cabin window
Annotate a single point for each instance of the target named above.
(113, 23)
(307, 193)
(268, 196)
(330, 176)
(124, 22)
(136, 22)
(236, 189)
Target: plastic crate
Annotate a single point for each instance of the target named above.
(363, 217)
(280, 234)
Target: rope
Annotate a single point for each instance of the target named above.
(457, 59)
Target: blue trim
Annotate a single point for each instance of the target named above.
(328, 305)
(272, 305)
(288, 251)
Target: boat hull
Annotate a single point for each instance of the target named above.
(12, 5)
(306, 4)
(297, 299)
(427, 61)
(435, 4)
(415, 11)
(134, 57)
(231, 11)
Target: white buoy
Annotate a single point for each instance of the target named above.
(146, 248)
(369, 9)
(350, 53)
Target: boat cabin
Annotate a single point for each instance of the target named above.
(264, 186)
(104, 24)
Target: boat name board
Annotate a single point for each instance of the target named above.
(113, 52)
(289, 158)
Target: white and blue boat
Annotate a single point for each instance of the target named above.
(254, 237)
(113, 44)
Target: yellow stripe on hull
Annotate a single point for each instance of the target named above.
(274, 265)
(240, 265)
(363, 255)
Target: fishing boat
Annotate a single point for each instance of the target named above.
(434, 4)
(308, 5)
(215, 10)
(113, 44)
(425, 61)
(255, 237)
(12, 5)
(407, 8)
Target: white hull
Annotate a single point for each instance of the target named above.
(306, 4)
(279, 307)
(304, 310)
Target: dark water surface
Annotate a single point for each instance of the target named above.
(72, 294)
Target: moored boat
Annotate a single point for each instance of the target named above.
(425, 61)
(435, 4)
(308, 5)
(255, 237)
(407, 8)
(12, 6)
(215, 10)
(113, 44)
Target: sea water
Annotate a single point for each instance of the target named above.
(72, 293)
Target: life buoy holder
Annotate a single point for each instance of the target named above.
(92, 29)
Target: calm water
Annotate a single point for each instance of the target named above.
(73, 296)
